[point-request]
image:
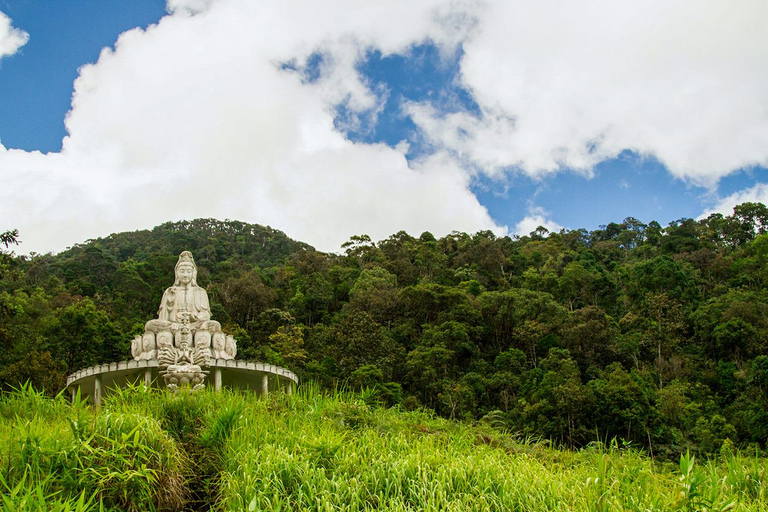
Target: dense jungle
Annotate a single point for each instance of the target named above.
(653, 335)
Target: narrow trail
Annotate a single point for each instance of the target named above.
(203, 477)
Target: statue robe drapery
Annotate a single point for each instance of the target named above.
(177, 298)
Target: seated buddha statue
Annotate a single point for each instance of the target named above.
(184, 299)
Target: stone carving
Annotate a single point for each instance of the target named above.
(230, 348)
(184, 298)
(183, 336)
(143, 347)
(149, 349)
(219, 344)
(203, 342)
(136, 348)
(164, 338)
(180, 343)
(183, 364)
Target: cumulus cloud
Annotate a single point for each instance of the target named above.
(197, 117)
(755, 194)
(564, 85)
(11, 39)
(536, 217)
(208, 113)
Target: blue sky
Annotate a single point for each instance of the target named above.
(36, 83)
(498, 128)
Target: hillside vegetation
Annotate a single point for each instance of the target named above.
(653, 335)
(147, 450)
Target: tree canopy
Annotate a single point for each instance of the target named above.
(656, 335)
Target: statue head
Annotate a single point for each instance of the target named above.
(186, 270)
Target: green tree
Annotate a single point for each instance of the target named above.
(506, 381)
(288, 342)
(665, 328)
(358, 340)
(245, 297)
(8, 238)
(523, 319)
(748, 220)
(83, 336)
(591, 336)
(733, 326)
(36, 368)
(375, 291)
(623, 405)
(560, 404)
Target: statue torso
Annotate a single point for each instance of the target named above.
(179, 299)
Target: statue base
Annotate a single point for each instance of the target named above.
(175, 379)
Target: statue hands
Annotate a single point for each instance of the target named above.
(189, 355)
(167, 356)
(200, 356)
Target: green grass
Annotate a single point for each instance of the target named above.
(147, 450)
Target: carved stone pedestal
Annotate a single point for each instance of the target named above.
(175, 379)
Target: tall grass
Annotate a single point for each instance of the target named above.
(147, 450)
(55, 450)
(318, 452)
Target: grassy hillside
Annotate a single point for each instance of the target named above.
(313, 451)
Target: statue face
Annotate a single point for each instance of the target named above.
(184, 273)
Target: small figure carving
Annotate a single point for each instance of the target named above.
(149, 350)
(182, 365)
(230, 349)
(203, 342)
(136, 347)
(164, 340)
(219, 345)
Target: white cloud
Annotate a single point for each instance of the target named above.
(755, 194)
(535, 218)
(564, 84)
(194, 117)
(11, 39)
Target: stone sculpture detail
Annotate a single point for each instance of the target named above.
(183, 364)
(183, 336)
(184, 298)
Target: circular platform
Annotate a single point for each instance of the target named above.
(260, 378)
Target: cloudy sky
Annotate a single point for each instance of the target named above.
(331, 118)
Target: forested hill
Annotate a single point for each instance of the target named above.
(211, 240)
(656, 335)
(126, 262)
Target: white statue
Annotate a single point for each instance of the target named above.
(219, 345)
(149, 350)
(183, 365)
(184, 297)
(230, 348)
(136, 347)
(184, 314)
